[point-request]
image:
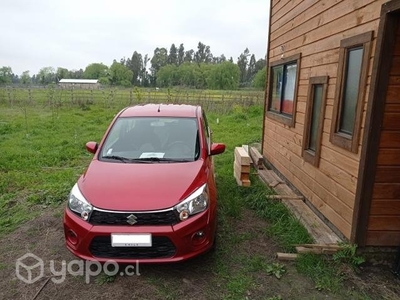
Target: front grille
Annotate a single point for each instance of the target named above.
(168, 217)
(162, 247)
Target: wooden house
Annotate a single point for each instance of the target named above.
(332, 111)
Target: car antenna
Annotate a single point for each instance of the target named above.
(159, 106)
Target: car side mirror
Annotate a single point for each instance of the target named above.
(92, 147)
(217, 148)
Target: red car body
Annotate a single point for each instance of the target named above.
(150, 195)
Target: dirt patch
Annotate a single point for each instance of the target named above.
(235, 270)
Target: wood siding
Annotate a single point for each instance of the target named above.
(384, 218)
(314, 29)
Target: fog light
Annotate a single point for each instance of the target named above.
(199, 237)
(199, 234)
(72, 237)
(183, 215)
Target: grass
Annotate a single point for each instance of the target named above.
(43, 154)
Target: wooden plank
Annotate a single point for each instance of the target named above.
(321, 246)
(286, 256)
(391, 121)
(392, 94)
(245, 183)
(386, 191)
(241, 156)
(384, 223)
(302, 250)
(383, 238)
(387, 174)
(389, 157)
(389, 107)
(242, 168)
(390, 139)
(385, 207)
(257, 158)
(289, 197)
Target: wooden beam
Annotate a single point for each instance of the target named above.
(257, 158)
(286, 256)
(241, 156)
(291, 197)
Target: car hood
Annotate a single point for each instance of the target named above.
(138, 186)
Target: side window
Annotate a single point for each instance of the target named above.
(282, 89)
(350, 93)
(314, 122)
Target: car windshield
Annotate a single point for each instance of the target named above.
(149, 139)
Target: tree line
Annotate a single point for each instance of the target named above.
(176, 67)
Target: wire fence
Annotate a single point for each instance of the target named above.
(56, 97)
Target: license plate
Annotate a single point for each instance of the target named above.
(131, 240)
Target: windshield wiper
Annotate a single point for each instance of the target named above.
(162, 159)
(116, 157)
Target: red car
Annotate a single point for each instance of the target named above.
(149, 193)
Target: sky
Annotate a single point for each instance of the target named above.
(74, 33)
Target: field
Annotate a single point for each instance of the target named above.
(42, 138)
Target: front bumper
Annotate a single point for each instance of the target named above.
(171, 243)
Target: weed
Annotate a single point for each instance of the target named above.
(348, 255)
(276, 269)
(104, 278)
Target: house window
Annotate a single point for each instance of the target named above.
(350, 91)
(282, 91)
(314, 122)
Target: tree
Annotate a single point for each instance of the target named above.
(75, 74)
(46, 75)
(224, 76)
(242, 63)
(188, 56)
(167, 76)
(6, 75)
(261, 63)
(62, 73)
(181, 54)
(95, 71)
(203, 54)
(173, 55)
(25, 77)
(260, 79)
(119, 74)
(144, 75)
(159, 59)
(135, 65)
(251, 71)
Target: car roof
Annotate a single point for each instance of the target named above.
(161, 110)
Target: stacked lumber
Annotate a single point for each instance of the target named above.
(257, 158)
(241, 167)
(310, 248)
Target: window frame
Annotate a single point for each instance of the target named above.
(310, 156)
(279, 116)
(341, 139)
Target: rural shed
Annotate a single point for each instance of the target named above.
(79, 83)
(332, 111)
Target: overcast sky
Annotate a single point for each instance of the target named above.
(75, 33)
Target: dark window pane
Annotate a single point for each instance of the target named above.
(350, 92)
(277, 73)
(288, 94)
(315, 117)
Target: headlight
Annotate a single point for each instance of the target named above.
(195, 203)
(78, 204)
